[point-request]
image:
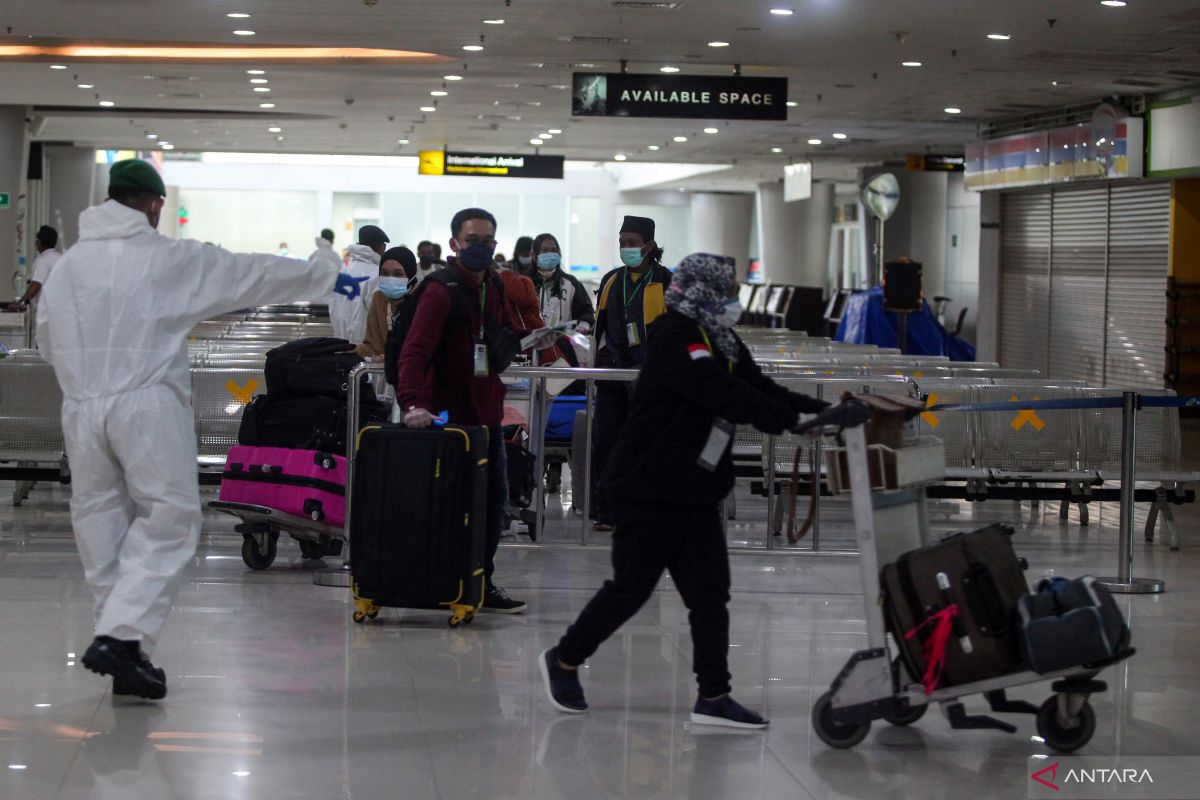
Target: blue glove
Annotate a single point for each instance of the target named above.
(442, 419)
(348, 285)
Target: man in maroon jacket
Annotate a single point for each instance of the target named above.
(445, 365)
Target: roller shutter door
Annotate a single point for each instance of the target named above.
(1083, 282)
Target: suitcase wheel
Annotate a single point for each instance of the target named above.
(364, 610)
(259, 549)
(463, 615)
(314, 510)
(324, 461)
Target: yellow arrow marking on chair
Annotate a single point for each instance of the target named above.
(930, 418)
(918, 374)
(1027, 415)
(242, 394)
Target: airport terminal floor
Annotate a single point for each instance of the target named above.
(276, 693)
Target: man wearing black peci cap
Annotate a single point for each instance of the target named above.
(349, 317)
(631, 297)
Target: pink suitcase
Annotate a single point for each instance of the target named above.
(304, 483)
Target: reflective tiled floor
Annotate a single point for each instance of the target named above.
(275, 693)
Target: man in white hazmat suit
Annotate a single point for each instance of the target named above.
(349, 317)
(114, 323)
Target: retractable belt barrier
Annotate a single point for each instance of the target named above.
(1144, 401)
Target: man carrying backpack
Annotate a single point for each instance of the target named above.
(458, 339)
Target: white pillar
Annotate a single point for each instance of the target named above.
(71, 172)
(988, 331)
(794, 237)
(721, 226)
(14, 159)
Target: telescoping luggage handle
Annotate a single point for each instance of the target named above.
(849, 413)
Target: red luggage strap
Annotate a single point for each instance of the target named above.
(935, 644)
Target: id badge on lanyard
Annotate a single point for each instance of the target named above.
(714, 448)
(633, 334)
(481, 360)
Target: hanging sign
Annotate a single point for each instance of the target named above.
(4, 200)
(489, 165)
(935, 163)
(616, 94)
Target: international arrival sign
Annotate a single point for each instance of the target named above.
(489, 165)
(617, 94)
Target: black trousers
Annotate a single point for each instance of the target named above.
(612, 409)
(690, 543)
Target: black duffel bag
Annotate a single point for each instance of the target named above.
(1070, 623)
(317, 366)
(303, 423)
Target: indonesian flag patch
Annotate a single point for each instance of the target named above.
(698, 351)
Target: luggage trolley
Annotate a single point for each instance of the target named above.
(887, 491)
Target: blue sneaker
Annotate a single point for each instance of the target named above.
(727, 712)
(562, 685)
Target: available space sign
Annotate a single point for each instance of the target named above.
(489, 165)
(615, 94)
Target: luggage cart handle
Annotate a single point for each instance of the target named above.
(850, 413)
(964, 640)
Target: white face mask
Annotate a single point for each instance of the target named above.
(730, 314)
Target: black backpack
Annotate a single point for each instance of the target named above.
(316, 366)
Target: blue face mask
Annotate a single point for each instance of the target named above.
(548, 262)
(393, 288)
(477, 257)
(632, 257)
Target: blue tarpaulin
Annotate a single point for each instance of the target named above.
(864, 321)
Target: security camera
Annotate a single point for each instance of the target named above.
(349, 101)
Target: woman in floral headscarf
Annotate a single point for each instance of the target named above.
(670, 470)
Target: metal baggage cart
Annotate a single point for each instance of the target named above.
(890, 520)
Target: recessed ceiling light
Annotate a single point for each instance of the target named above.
(241, 773)
(814, 141)
(402, 141)
(718, 44)
(782, 12)
(279, 138)
(16, 766)
(107, 103)
(429, 109)
(87, 86)
(712, 130)
(238, 15)
(58, 66)
(452, 77)
(652, 147)
(266, 105)
(619, 157)
(493, 22)
(243, 33)
(151, 135)
(275, 129)
(668, 69)
(776, 149)
(555, 131)
(472, 48)
(438, 93)
(910, 63)
(41, 705)
(1112, 3)
(792, 104)
(839, 136)
(999, 37)
(259, 80)
(167, 146)
(952, 110)
(262, 88)
(538, 142)
(256, 72)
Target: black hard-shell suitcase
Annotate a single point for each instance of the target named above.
(1070, 623)
(417, 516)
(986, 580)
(318, 365)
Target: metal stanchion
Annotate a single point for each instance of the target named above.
(1124, 582)
(537, 424)
(771, 501)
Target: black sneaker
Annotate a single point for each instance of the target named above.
(727, 712)
(122, 688)
(497, 601)
(562, 685)
(124, 662)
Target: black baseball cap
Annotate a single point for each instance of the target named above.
(372, 236)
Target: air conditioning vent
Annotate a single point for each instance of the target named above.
(595, 40)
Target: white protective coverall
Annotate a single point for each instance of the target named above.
(325, 254)
(118, 309)
(349, 317)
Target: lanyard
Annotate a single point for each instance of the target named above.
(482, 306)
(708, 344)
(625, 286)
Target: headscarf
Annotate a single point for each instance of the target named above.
(698, 291)
(404, 256)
